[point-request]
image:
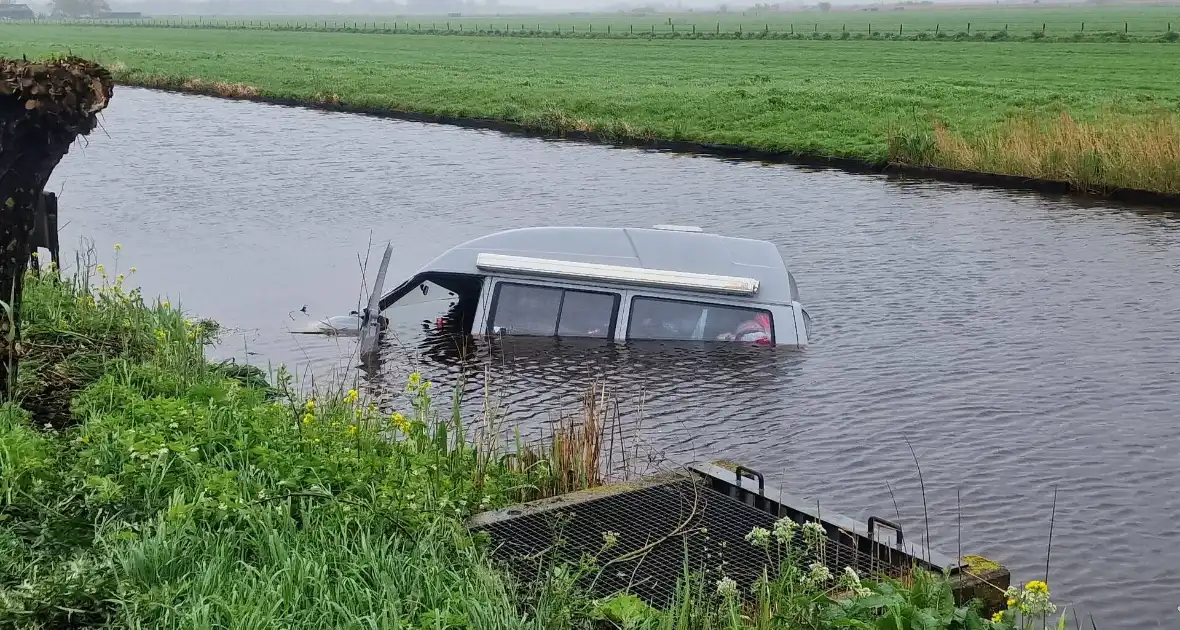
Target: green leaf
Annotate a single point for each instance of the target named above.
(923, 620)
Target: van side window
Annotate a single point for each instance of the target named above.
(522, 309)
(662, 319)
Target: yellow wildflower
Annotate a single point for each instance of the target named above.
(399, 421)
(351, 396)
(160, 335)
(34, 254)
(165, 304)
(308, 418)
(119, 279)
(100, 269)
(1011, 602)
(131, 270)
(1037, 586)
(352, 429)
(310, 405)
(998, 617)
(415, 379)
(118, 247)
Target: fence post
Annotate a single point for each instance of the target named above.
(719, 28)
(1005, 28)
(694, 29)
(900, 28)
(673, 28)
(1083, 27)
(936, 29)
(792, 28)
(870, 28)
(968, 28)
(1042, 28)
(816, 29)
(1126, 25)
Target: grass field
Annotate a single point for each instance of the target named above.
(1098, 116)
(1057, 21)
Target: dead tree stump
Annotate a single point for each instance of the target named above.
(44, 107)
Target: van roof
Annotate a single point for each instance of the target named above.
(672, 248)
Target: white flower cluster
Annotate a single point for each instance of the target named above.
(818, 573)
(784, 530)
(759, 537)
(727, 587)
(814, 534)
(851, 581)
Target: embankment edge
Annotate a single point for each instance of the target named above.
(1156, 200)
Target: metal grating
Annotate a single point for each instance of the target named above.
(663, 530)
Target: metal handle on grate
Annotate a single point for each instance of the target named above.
(752, 474)
(873, 520)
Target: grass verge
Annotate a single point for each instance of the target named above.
(175, 493)
(868, 102)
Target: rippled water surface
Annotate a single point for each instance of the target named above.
(1018, 343)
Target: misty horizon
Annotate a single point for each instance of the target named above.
(442, 7)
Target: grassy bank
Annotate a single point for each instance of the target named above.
(917, 103)
(158, 490)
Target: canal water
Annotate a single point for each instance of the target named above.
(1019, 344)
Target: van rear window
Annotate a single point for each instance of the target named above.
(662, 319)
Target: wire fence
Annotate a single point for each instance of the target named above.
(826, 30)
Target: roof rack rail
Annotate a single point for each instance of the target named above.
(684, 280)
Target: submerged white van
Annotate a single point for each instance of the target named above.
(618, 284)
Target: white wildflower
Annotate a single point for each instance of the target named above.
(784, 530)
(851, 580)
(610, 539)
(814, 534)
(818, 573)
(173, 426)
(759, 537)
(727, 587)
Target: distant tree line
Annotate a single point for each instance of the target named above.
(79, 8)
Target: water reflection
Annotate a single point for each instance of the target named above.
(538, 376)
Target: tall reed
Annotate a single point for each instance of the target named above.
(1109, 152)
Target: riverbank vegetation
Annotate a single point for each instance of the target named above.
(171, 492)
(949, 104)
